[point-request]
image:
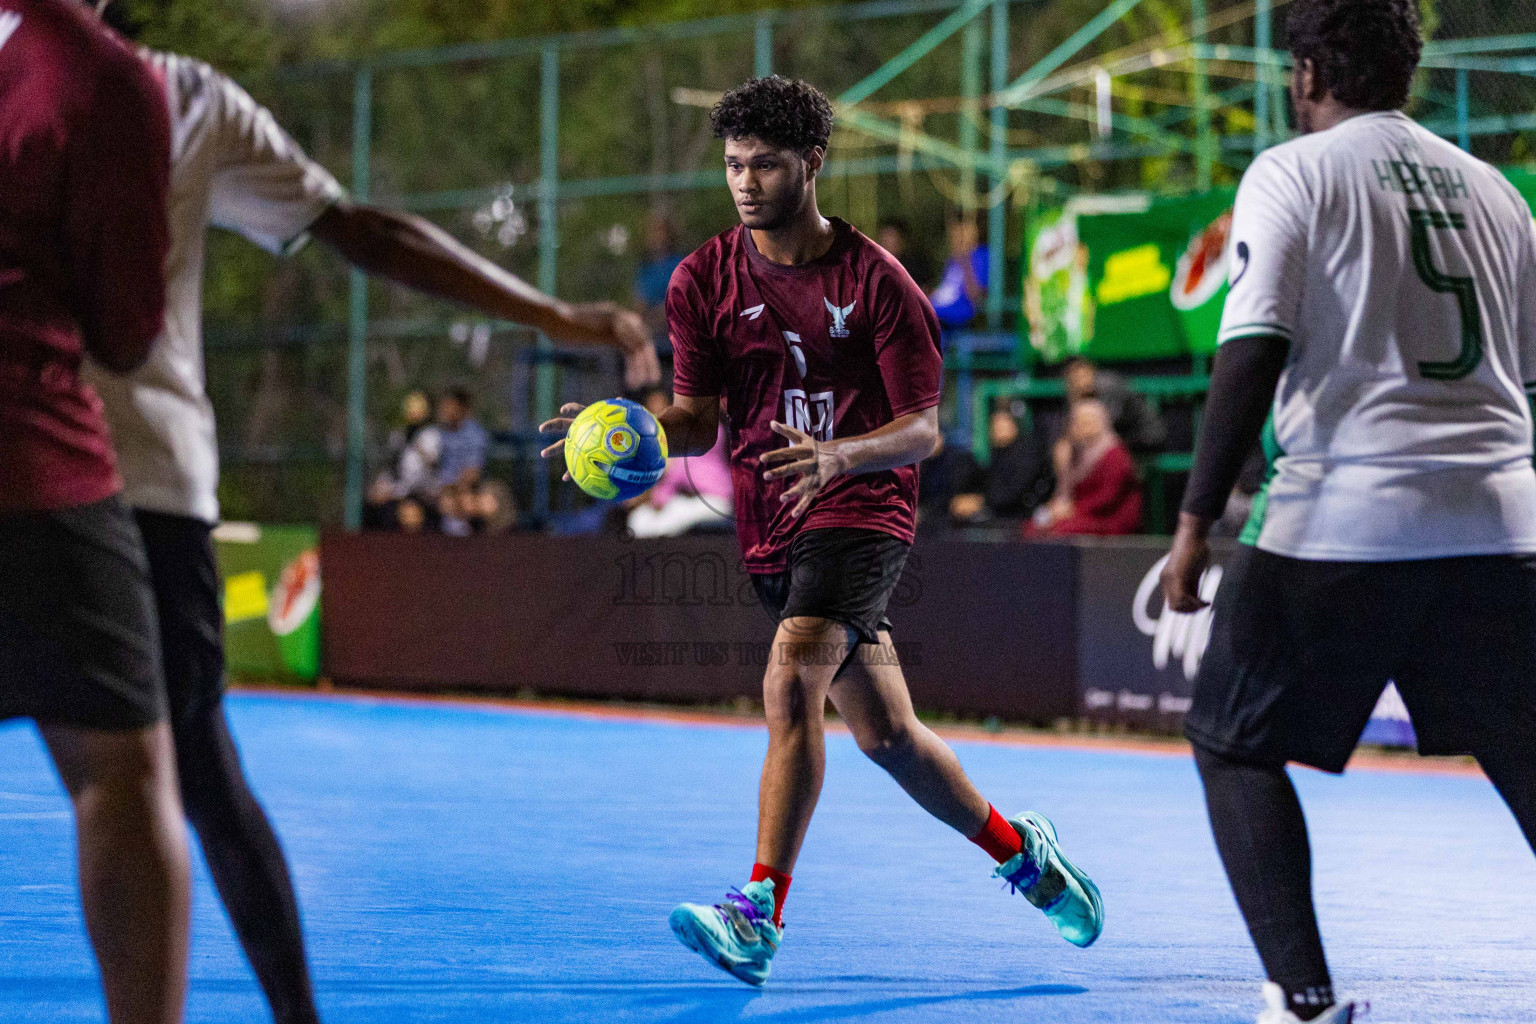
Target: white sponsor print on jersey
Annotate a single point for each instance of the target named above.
(753, 312)
(811, 413)
(839, 327)
(794, 341)
(10, 21)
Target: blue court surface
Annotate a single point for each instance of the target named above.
(463, 864)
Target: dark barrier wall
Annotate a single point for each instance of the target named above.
(982, 628)
(1136, 659)
(1027, 632)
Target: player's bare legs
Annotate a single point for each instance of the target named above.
(806, 655)
(872, 698)
(135, 875)
(742, 934)
(871, 695)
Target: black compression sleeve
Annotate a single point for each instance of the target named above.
(1243, 380)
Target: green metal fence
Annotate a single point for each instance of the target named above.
(548, 153)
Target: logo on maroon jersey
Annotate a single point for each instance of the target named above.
(811, 413)
(794, 341)
(839, 327)
(753, 312)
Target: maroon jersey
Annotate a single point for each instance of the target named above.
(85, 152)
(837, 347)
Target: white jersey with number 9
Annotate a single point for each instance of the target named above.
(1403, 273)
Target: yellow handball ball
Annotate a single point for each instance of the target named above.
(615, 450)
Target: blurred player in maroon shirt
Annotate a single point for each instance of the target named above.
(826, 356)
(84, 179)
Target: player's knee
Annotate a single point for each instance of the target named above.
(891, 746)
(789, 698)
(121, 777)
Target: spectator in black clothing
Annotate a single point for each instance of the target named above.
(939, 478)
(1012, 485)
(1134, 419)
(895, 237)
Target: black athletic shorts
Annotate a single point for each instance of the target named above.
(79, 644)
(1300, 652)
(185, 576)
(844, 574)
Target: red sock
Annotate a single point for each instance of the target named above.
(762, 872)
(1000, 839)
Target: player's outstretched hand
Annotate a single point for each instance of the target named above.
(608, 323)
(641, 367)
(560, 425)
(813, 462)
(1187, 562)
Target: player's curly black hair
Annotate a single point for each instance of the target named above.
(784, 112)
(1364, 51)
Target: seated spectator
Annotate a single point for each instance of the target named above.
(493, 510)
(895, 237)
(962, 291)
(462, 460)
(453, 511)
(1133, 417)
(692, 493)
(485, 506)
(410, 516)
(1016, 482)
(415, 448)
(940, 477)
(1097, 492)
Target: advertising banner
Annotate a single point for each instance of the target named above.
(1057, 311)
(1131, 277)
(1121, 278)
(271, 578)
(1525, 181)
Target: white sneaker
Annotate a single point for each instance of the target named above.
(1276, 1012)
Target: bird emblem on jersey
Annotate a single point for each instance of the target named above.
(839, 317)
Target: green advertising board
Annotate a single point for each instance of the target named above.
(1127, 277)
(1525, 182)
(271, 577)
(1131, 277)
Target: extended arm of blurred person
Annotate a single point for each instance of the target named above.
(412, 251)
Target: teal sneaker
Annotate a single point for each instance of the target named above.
(1051, 882)
(737, 935)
